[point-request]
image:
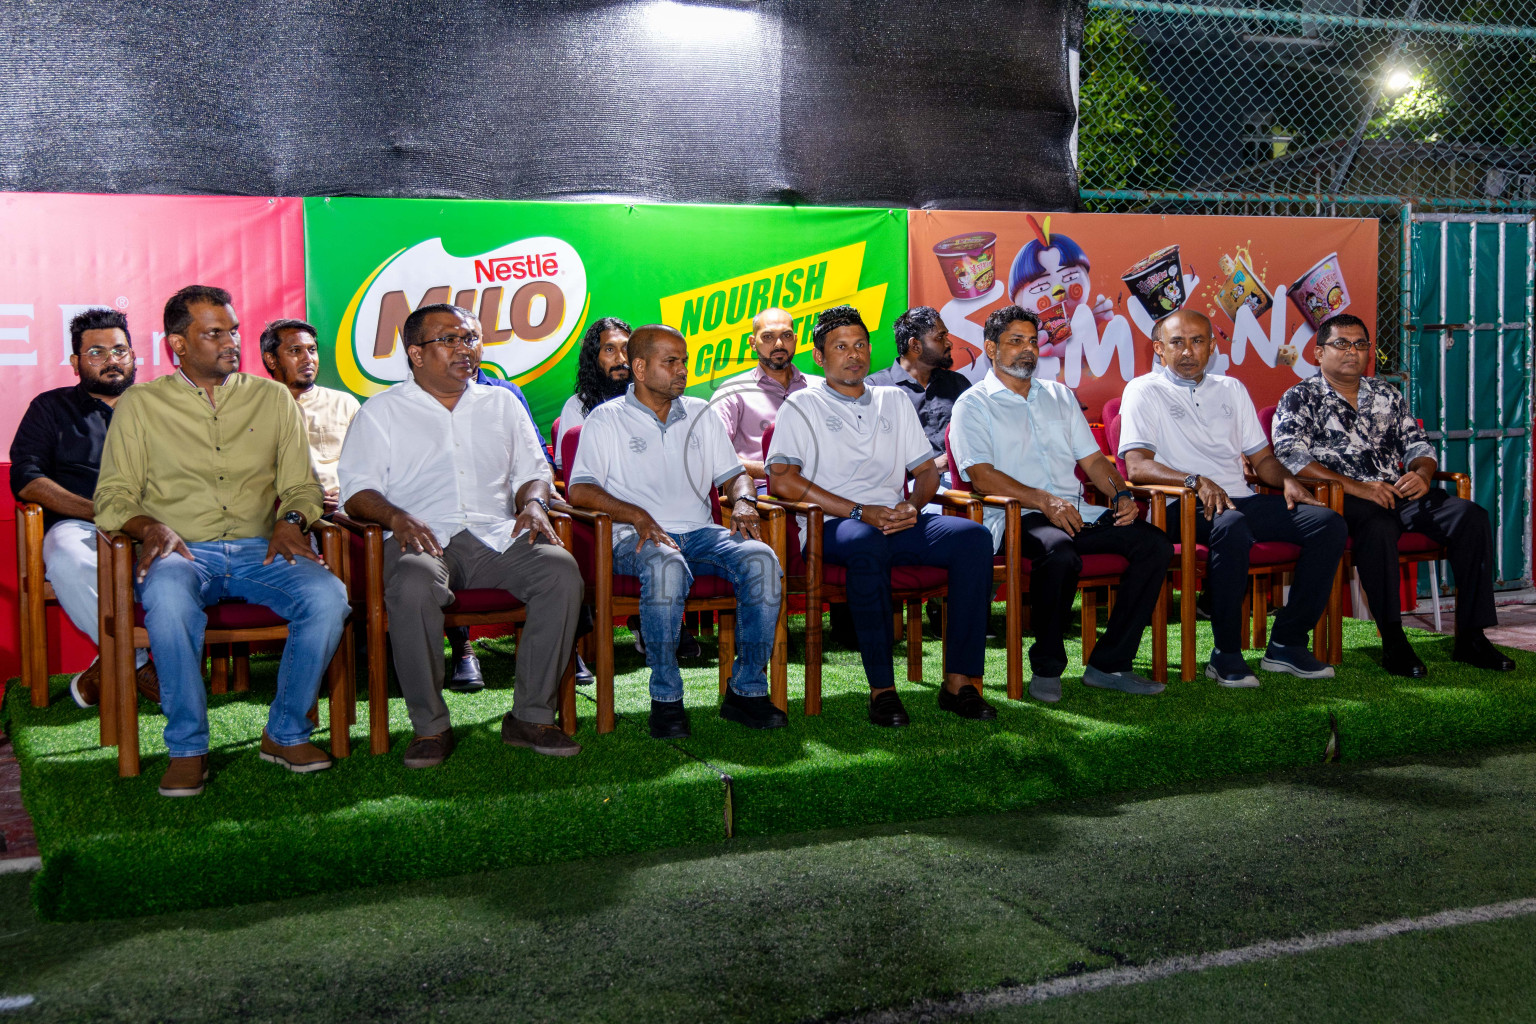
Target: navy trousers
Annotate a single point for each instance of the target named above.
(1319, 532)
(958, 545)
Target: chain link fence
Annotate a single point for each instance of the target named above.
(1318, 107)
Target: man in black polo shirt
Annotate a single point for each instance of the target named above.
(922, 370)
(54, 461)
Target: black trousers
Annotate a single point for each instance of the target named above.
(1462, 526)
(1055, 566)
(1319, 532)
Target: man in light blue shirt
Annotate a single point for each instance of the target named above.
(1017, 437)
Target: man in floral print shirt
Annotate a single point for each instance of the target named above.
(1356, 429)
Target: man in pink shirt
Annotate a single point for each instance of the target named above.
(749, 402)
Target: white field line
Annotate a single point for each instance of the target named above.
(1115, 977)
(16, 865)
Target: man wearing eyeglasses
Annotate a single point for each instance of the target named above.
(1357, 430)
(55, 459)
(208, 469)
(454, 471)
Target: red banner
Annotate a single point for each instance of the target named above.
(1098, 281)
(60, 254)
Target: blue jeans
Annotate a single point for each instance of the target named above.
(666, 575)
(175, 593)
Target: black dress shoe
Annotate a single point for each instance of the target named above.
(887, 710)
(1480, 653)
(584, 675)
(688, 646)
(968, 703)
(1404, 663)
(752, 712)
(466, 676)
(669, 720)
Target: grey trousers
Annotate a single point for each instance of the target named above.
(417, 587)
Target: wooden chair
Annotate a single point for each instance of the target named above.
(1412, 547)
(33, 594)
(1011, 569)
(479, 606)
(121, 621)
(817, 582)
(617, 596)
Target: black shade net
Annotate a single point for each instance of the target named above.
(963, 104)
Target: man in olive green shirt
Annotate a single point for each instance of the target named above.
(208, 468)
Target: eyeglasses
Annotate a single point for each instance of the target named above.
(1342, 345)
(117, 353)
(454, 341)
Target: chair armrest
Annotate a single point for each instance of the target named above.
(333, 542)
(587, 516)
(357, 526)
(29, 540)
(803, 508)
(958, 502)
(1461, 480)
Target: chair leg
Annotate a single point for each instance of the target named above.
(725, 629)
(1434, 592)
(603, 641)
(915, 642)
(1260, 615)
(813, 643)
(1187, 628)
(242, 659)
(1013, 640)
(1090, 621)
(1160, 634)
(568, 697)
(336, 688)
(218, 671)
(1246, 640)
(778, 666)
(378, 684)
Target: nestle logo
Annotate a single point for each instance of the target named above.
(516, 268)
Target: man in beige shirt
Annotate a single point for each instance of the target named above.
(292, 357)
(209, 470)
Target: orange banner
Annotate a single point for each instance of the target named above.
(1098, 281)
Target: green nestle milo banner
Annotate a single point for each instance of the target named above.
(537, 274)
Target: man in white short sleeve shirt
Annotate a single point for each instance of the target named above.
(1183, 427)
(654, 461)
(1016, 437)
(455, 472)
(848, 448)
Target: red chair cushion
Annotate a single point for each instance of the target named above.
(1412, 543)
(1272, 552)
(481, 600)
(231, 615)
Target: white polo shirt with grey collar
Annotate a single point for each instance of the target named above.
(670, 469)
(860, 449)
(1205, 428)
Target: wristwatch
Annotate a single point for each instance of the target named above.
(857, 513)
(1192, 481)
(297, 519)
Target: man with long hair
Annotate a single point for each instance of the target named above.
(602, 372)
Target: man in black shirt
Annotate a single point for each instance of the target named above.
(922, 370)
(55, 458)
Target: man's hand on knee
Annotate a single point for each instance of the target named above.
(158, 541)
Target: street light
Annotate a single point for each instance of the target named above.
(1401, 80)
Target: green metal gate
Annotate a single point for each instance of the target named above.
(1467, 332)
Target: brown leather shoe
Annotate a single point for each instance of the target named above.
(544, 739)
(148, 682)
(85, 687)
(301, 757)
(429, 751)
(185, 776)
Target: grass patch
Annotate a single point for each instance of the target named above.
(116, 848)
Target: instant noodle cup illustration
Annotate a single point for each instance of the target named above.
(1242, 288)
(969, 263)
(1321, 291)
(1158, 281)
(1054, 327)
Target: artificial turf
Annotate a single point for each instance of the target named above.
(115, 848)
(833, 925)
